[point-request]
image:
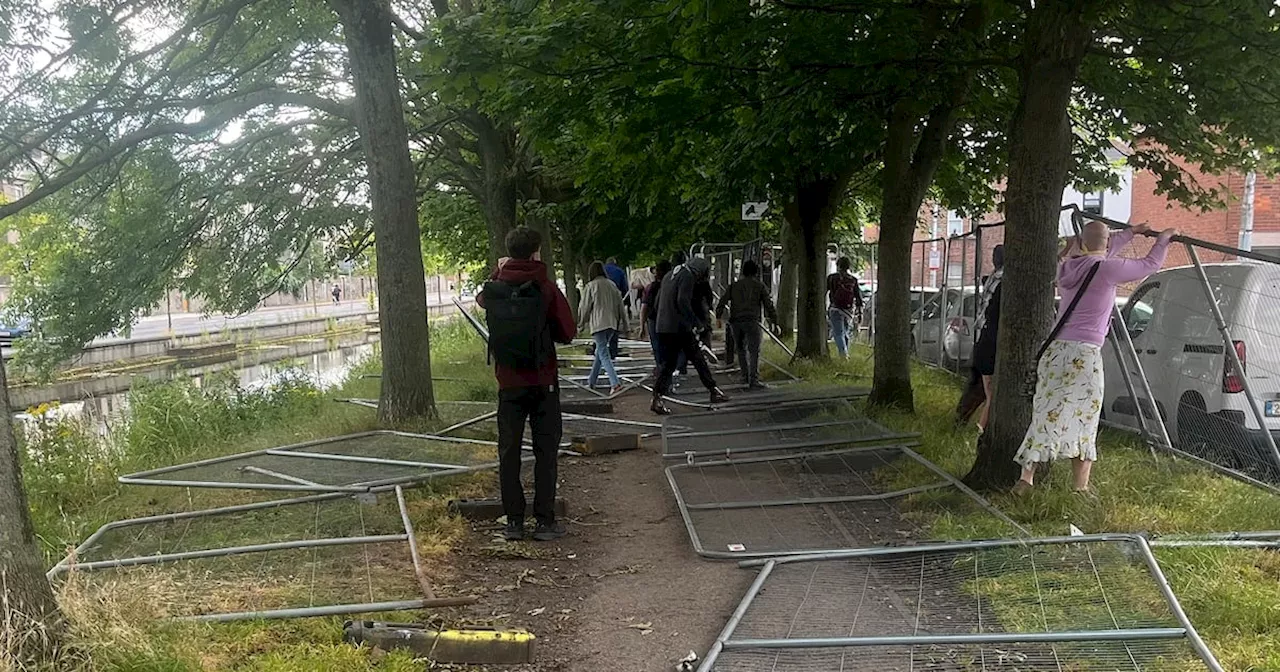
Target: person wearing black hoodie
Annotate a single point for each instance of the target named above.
(532, 396)
(681, 317)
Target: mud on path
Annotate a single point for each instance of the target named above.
(623, 591)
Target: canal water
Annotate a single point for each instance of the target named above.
(325, 361)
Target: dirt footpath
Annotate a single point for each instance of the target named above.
(624, 591)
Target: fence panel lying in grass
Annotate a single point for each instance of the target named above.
(807, 502)
(322, 554)
(1078, 603)
(351, 463)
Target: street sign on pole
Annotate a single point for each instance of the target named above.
(935, 259)
(753, 211)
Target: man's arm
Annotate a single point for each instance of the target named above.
(770, 311)
(724, 301)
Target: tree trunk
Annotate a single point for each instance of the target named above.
(569, 266)
(402, 290)
(501, 185)
(810, 212)
(548, 250)
(28, 609)
(1058, 34)
(788, 277)
(913, 151)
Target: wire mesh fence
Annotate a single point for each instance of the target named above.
(1083, 603)
(1181, 336)
(844, 498)
(813, 427)
(352, 463)
(319, 552)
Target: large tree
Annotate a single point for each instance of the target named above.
(209, 146)
(1177, 83)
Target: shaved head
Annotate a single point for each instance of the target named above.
(1094, 236)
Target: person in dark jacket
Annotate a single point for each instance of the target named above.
(681, 317)
(532, 396)
(649, 308)
(746, 299)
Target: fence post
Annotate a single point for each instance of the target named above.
(1123, 328)
(1229, 346)
(964, 266)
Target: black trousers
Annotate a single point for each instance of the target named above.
(540, 408)
(672, 347)
(746, 336)
(730, 347)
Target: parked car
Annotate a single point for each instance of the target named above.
(12, 329)
(1196, 389)
(938, 321)
(918, 296)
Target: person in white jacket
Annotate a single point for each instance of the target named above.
(602, 314)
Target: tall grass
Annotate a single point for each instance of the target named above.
(70, 467)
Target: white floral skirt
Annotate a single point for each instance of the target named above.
(1068, 404)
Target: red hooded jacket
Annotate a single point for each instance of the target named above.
(559, 317)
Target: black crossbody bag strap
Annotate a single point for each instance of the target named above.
(1057, 328)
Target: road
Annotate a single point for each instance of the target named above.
(184, 324)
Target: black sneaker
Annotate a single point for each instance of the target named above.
(514, 531)
(717, 396)
(548, 531)
(757, 385)
(659, 408)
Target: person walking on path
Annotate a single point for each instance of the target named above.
(988, 325)
(337, 294)
(527, 315)
(1069, 385)
(618, 276)
(681, 317)
(602, 315)
(746, 298)
(649, 308)
(845, 307)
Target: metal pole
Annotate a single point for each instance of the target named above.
(982, 501)
(467, 423)
(736, 618)
(333, 610)
(943, 308)
(409, 534)
(280, 487)
(1176, 607)
(1128, 385)
(789, 456)
(764, 448)
(1246, 211)
(774, 428)
(1142, 378)
(803, 501)
(960, 640)
(946, 547)
(964, 267)
(283, 477)
(1230, 348)
(235, 550)
(363, 460)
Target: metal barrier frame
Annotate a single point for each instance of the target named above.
(294, 484)
(1126, 355)
(696, 541)
(68, 563)
(725, 641)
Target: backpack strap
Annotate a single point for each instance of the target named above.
(1075, 300)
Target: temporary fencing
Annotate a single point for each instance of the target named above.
(352, 463)
(1193, 359)
(1096, 602)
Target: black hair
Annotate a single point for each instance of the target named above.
(997, 256)
(662, 269)
(750, 269)
(522, 242)
(678, 257)
(595, 270)
(843, 264)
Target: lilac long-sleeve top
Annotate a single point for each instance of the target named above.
(1092, 316)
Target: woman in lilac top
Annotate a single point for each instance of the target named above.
(1068, 400)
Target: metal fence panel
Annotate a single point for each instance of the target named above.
(800, 503)
(1084, 603)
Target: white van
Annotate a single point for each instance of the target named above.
(1197, 391)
